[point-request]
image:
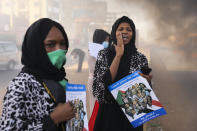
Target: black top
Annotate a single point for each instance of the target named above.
(60, 97)
(110, 117)
(57, 90)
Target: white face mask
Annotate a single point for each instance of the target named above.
(105, 44)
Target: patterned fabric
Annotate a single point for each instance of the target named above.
(91, 65)
(26, 104)
(100, 91)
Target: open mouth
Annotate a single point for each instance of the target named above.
(125, 37)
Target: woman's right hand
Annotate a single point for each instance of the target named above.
(120, 46)
(63, 112)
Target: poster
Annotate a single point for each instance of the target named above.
(76, 93)
(136, 99)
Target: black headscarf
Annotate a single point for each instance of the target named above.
(100, 36)
(129, 49)
(34, 56)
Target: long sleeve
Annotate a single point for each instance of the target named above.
(102, 77)
(14, 115)
(143, 61)
(48, 124)
(26, 106)
(138, 62)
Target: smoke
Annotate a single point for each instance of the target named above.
(176, 17)
(171, 17)
(175, 21)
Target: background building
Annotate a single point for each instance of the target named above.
(17, 15)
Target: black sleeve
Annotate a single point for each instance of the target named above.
(146, 70)
(102, 78)
(144, 67)
(48, 124)
(107, 78)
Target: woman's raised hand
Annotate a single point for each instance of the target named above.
(120, 46)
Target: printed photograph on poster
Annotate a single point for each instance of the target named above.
(136, 99)
(76, 93)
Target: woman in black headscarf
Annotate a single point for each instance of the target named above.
(35, 98)
(114, 63)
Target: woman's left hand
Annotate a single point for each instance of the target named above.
(147, 77)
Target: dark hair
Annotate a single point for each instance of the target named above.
(100, 36)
